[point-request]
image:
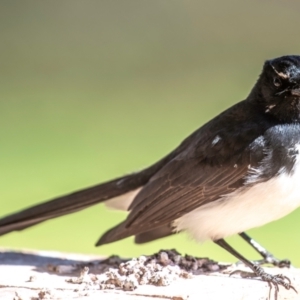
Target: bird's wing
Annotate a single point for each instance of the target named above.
(181, 186)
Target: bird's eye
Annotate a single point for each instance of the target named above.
(277, 82)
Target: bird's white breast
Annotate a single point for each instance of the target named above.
(245, 208)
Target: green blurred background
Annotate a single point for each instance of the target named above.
(91, 90)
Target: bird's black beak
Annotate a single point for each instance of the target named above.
(295, 92)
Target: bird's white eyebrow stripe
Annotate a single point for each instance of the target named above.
(280, 74)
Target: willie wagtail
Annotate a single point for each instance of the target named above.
(238, 171)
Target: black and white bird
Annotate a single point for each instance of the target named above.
(238, 171)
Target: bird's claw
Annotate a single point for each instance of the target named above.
(284, 263)
(274, 280)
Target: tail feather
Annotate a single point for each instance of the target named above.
(76, 201)
(82, 199)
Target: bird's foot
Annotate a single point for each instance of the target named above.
(273, 280)
(271, 260)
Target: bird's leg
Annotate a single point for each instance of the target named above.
(268, 258)
(273, 280)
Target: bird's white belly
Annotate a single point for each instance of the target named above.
(244, 209)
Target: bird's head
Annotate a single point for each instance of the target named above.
(279, 88)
